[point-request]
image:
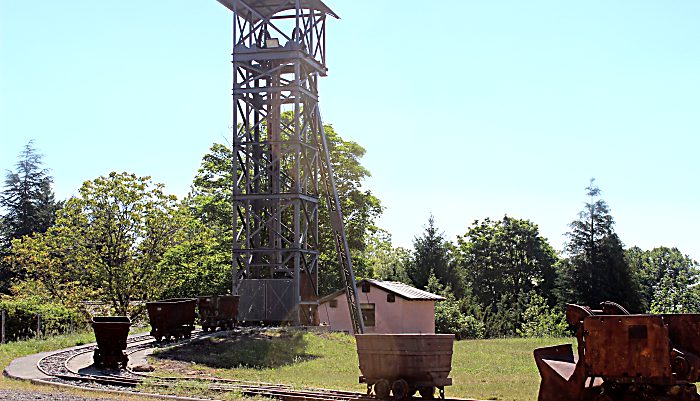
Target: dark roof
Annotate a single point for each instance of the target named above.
(268, 8)
(405, 291)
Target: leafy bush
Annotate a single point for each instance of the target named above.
(450, 319)
(21, 318)
(539, 320)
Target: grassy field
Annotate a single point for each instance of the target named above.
(497, 369)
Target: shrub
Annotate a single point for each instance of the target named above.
(21, 318)
(450, 319)
(539, 320)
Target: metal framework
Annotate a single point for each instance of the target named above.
(280, 157)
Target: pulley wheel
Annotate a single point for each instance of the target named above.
(400, 389)
(381, 389)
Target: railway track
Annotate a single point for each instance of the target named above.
(56, 366)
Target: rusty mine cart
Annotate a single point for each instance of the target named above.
(623, 357)
(172, 318)
(218, 311)
(111, 333)
(403, 364)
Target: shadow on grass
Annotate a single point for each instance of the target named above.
(255, 351)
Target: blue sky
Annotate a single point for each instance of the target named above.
(467, 109)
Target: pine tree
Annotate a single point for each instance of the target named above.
(596, 269)
(27, 196)
(431, 255)
(29, 206)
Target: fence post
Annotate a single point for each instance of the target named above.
(2, 330)
(38, 325)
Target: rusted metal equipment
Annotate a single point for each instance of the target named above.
(172, 318)
(623, 357)
(218, 311)
(111, 333)
(403, 364)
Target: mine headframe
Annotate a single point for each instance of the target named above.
(281, 161)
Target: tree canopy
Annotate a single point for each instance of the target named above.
(107, 244)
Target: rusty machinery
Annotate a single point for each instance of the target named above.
(623, 357)
(281, 162)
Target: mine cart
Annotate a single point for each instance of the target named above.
(403, 364)
(111, 333)
(623, 357)
(172, 318)
(218, 311)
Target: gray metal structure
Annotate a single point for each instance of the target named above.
(281, 160)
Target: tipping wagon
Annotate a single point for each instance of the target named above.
(218, 311)
(403, 364)
(111, 333)
(172, 318)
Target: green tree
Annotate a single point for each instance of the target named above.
(29, 204)
(107, 243)
(541, 320)
(504, 259)
(210, 201)
(450, 317)
(360, 211)
(596, 269)
(667, 279)
(387, 262)
(432, 255)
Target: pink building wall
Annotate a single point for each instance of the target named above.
(401, 316)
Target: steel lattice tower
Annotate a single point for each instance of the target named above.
(279, 158)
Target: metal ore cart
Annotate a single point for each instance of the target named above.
(172, 318)
(111, 333)
(403, 364)
(218, 311)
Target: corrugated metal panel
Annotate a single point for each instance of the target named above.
(405, 290)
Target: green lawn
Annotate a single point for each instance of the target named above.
(498, 369)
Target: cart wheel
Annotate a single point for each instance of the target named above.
(427, 393)
(400, 389)
(381, 389)
(442, 392)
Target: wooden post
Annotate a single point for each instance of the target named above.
(2, 330)
(38, 325)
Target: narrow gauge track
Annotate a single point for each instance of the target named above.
(56, 365)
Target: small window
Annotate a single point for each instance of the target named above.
(333, 303)
(390, 298)
(365, 287)
(368, 314)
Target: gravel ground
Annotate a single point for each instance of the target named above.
(22, 395)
